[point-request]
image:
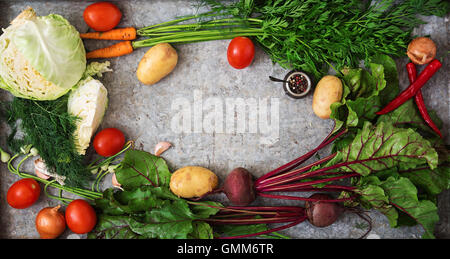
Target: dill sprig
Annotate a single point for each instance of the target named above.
(49, 128)
(309, 35)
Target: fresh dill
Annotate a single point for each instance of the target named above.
(48, 127)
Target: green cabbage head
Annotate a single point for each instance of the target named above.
(41, 58)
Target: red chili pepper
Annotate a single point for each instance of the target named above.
(413, 88)
(412, 74)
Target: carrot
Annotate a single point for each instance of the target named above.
(128, 33)
(116, 50)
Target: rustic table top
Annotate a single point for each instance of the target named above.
(203, 78)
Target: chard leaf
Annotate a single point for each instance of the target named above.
(112, 227)
(142, 168)
(407, 116)
(403, 196)
(391, 90)
(201, 230)
(378, 148)
(237, 230)
(373, 196)
(172, 220)
(364, 93)
(431, 182)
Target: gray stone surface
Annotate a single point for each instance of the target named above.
(145, 113)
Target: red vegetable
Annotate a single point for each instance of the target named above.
(414, 87)
(240, 52)
(412, 74)
(239, 188)
(109, 142)
(322, 213)
(80, 216)
(102, 16)
(23, 193)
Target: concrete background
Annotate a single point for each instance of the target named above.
(144, 113)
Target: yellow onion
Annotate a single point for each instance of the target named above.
(50, 222)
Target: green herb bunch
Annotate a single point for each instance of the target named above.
(48, 127)
(310, 35)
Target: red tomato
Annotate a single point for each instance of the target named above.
(109, 142)
(240, 52)
(80, 216)
(102, 16)
(23, 193)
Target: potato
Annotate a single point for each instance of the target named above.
(328, 90)
(193, 181)
(157, 63)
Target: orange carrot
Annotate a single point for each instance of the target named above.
(128, 33)
(116, 50)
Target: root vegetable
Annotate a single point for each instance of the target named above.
(115, 50)
(157, 63)
(50, 222)
(320, 212)
(239, 187)
(193, 181)
(328, 90)
(421, 50)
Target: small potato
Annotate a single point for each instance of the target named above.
(193, 181)
(328, 90)
(157, 63)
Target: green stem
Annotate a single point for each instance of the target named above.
(197, 26)
(152, 42)
(207, 14)
(74, 190)
(108, 160)
(208, 33)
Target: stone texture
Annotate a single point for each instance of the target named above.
(145, 113)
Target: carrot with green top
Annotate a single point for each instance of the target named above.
(128, 33)
(116, 50)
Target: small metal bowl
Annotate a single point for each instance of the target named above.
(289, 91)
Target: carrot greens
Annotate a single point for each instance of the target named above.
(308, 35)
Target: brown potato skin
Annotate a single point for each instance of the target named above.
(157, 63)
(328, 90)
(193, 181)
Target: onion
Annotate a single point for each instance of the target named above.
(421, 50)
(50, 222)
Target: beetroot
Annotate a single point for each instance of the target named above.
(322, 213)
(239, 187)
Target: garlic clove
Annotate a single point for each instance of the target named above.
(40, 169)
(115, 183)
(161, 147)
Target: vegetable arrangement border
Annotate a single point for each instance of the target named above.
(391, 159)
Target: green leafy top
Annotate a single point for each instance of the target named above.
(146, 208)
(404, 164)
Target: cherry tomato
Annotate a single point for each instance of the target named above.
(23, 193)
(102, 16)
(109, 142)
(240, 52)
(80, 216)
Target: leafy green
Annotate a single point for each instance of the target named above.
(365, 91)
(41, 57)
(142, 168)
(395, 163)
(49, 127)
(146, 208)
(310, 35)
